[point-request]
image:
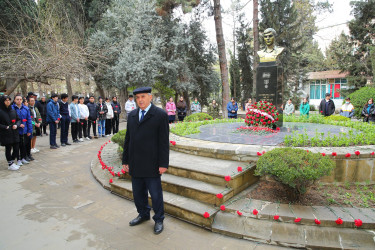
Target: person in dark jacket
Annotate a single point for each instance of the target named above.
(41, 105)
(146, 156)
(181, 109)
(93, 116)
(65, 120)
(102, 116)
(25, 129)
(232, 108)
(368, 111)
(116, 114)
(9, 136)
(327, 106)
(53, 118)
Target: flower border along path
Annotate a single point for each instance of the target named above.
(281, 224)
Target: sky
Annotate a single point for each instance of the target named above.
(341, 14)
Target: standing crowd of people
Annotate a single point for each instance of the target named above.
(23, 119)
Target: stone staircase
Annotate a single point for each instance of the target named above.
(189, 187)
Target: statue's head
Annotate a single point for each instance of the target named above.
(269, 36)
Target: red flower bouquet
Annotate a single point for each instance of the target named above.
(264, 112)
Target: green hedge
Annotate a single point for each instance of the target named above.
(119, 137)
(360, 97)
(198, 117)
(337, 118)
(296, 169)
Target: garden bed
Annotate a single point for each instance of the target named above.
(346, 195)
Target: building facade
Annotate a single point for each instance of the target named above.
(322, 82)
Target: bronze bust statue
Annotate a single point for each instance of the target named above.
(271, 51)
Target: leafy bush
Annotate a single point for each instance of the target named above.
(119, 137)
(198, 117)
(360, 97)
(339, 118)
(296, 169)
(313, 107)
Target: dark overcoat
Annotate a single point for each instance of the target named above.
(8, 118)
(331, 107)
(146, 146)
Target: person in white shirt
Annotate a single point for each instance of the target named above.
(130, 105)
(84, 116)
(108, 121)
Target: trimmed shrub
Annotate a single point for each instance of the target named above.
(198, 117)
(338, 118)
(295, 168)
(119, 137)
(360, 97)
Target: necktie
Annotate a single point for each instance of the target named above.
(143, 114)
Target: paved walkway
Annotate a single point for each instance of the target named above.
(55, 203)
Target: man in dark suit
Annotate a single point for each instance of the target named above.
(327, 106)
(146, 156)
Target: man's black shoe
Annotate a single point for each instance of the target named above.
(57, 146)
(76, 141)
(53, 147)
(63, 144)
(158, 228)
(137, 221)
(29, 158)
(68, 144)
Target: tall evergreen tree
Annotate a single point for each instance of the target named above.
(362, 35)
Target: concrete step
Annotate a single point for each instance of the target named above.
(181, 207)
(198, 190)
(210, 170)
(291, 235)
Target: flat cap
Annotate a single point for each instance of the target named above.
(142, 90)
(30, 94)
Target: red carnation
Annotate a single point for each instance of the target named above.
(357, 152)
(263, 152)
(255, 212)
(297, 220)
(116, 106)
(206, 215)
(257, 120)
(219, 195)
(347, 155)
(24, 120)
(317, 222)
(261, 120)
(278, 129)
(227, 178)
(110, 180)
(239, 169)
(222, 208)
(81, 123)
(58, 119)
(307, 151)
(334, 154)
(269, 122)
(324, 154)
(259, 153)
(94, 121)
(372, 153)
(358, 222)
(39, 119)
(123, 171)
(31, 116)
(252, 122)
(103, 167)
(13, 121)
(339, 221)
(277, 119)
(173, 143)
(239, 213)
(321, 111)
(276, 217)
(118, 174)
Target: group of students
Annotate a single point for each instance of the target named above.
(327, 108)
(26, 118)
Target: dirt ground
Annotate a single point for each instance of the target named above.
(347, 194)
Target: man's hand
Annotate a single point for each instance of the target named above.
(125, 167)
(86, 118)
(14, 126)
(28, 134)
(77, 119)
(22, 125)
(57, 121)
(37, 125)
(162, 170)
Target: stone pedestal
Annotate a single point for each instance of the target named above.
(269, 86)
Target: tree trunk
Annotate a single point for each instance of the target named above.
(222, 56)
(31, 85)
(100, 90)
(23, 88)
(187, 100)
(122, 100)
(68, 84)
(40, 90)
(11, 85)
(256, 45)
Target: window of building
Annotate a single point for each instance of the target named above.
(318, 88)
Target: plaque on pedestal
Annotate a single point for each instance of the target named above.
(269, 86)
